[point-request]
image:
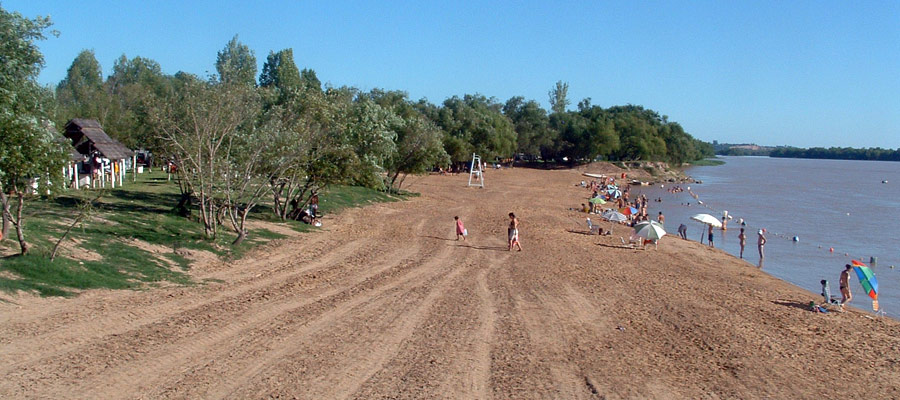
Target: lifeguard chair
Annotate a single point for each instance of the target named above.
(476, 171)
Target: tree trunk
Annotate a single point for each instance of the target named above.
(4, 214)
(20, 230)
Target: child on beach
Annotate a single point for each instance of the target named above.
(513, 232)
(460, 229)
(743, 239)
(710, 237)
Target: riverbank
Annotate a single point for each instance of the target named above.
(384, 303)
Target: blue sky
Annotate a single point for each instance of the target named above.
(815, 73)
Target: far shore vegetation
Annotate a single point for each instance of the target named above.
(246, 145)
(830, 153)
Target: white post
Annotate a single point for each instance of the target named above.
(75, 174)
(134, 168)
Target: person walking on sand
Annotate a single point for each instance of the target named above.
(761, 244)
(844, 283)
(460, 229)
(709, 236)
(513, 232)
(742, 237)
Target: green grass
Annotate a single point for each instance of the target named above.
(707, 162)
(143, 212)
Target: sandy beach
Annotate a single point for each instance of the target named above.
(384, 303)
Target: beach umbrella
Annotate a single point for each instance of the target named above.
(614, 193)
(613, 216)
(708, 220)
(649, 230)
(867, 280)
(628, 210)
(597, 200)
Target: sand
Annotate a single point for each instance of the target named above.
(383, 303)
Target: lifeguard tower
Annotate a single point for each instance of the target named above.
(476, 171)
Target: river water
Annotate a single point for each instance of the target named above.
(824, 203)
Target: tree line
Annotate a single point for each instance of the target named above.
(838, 153)
(242, 136)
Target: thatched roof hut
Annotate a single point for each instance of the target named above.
(87, 136)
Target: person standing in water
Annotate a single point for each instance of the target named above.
(742, 237)
(761, 244)
(709, 236)
(460, 229)
(513, 232)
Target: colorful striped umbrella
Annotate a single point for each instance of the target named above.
(867, 280)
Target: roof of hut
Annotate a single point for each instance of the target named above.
(87, 135)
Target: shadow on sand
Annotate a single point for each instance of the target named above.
(792, 303)
(493, 248)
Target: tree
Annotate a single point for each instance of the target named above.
(476, 124)
(30, 152)
(418, 146)
(236, 64)
(200, 123)
(310, 80)
(80, 93)
(558, 97)
(531, 124)
(281, 72)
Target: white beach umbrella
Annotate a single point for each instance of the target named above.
(614, 216)
(649, 230)
(708, 220)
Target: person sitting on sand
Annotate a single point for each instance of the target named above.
(460, 229)
(844, 283)
(513, 232)
(585, 208)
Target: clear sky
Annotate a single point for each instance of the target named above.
(802, 73)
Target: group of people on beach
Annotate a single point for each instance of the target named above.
(512, 231)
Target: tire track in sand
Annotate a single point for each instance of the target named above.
(144, 315)
(361, 368)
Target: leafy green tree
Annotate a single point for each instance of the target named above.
(200, 123)
(281, 72)
(310, 80)
(418, 147)
(236, 63)
(80, 94)
(476, 124)
(559, 97)
(30, 151)
(531, 124)
(133, 84)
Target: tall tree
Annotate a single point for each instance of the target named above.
(280, 71)
(559, 97)
(80, 93)
(310, 80)
(30, 152)
(236, 63)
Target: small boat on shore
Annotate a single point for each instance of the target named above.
(636, 182)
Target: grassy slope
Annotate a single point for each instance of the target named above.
(136, 212)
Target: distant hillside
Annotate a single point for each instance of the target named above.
(742, 149)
